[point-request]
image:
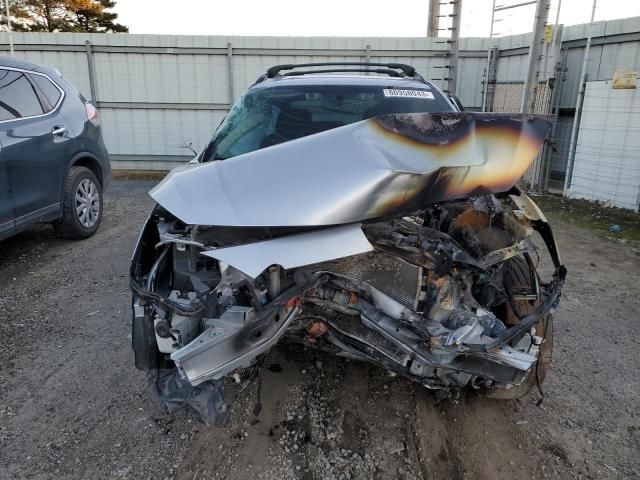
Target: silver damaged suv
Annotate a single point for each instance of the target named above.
(353, 208)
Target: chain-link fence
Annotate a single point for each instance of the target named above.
(506, 97)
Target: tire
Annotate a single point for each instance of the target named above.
(81, 204)
(519, 275)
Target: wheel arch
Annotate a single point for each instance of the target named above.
(88, 160)
(68, 225)
(82, 159)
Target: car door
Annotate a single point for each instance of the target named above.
(34, 145)
(6, 204)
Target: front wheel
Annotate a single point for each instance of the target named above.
(538, 373)
(81, 204)
(520, 276)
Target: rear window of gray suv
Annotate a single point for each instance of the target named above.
(18, 97)
(50, 91)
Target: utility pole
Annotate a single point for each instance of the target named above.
(433, 22)
(492, 59)
(454, 46)
(557, 74)
(493, 18)
(8, 15)
(557, 37)
(535, 52)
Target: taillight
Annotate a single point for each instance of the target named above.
(92, 114)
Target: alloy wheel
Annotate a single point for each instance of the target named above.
(87, 203)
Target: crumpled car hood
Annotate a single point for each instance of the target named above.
(378, 167)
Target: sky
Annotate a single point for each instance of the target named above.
(372, 18)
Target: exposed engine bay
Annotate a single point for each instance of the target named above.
(444, 292)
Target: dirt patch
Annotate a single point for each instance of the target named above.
(122, 174)
(73, 406)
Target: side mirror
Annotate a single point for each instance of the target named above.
(189, 146)
(199, 154)
(456, 101)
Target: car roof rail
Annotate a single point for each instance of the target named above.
(382, 71)
(391, 69)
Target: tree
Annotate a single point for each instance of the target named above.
(65, 16)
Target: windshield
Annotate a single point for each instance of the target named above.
(275, 115)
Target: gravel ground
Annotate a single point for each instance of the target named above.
(73, 406)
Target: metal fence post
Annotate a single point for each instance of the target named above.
(558, 82)
(367, 54)
(92, 73)
(575, 132)
(7, 14)
(581, 93)
(490, 79)
(230, 72)
(454, 47)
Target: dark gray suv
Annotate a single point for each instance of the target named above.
(54, 165)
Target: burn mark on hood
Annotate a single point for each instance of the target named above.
(382, 166)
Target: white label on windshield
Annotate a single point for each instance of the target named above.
(396, 92)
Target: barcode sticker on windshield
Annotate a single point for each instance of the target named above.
(396, 92)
